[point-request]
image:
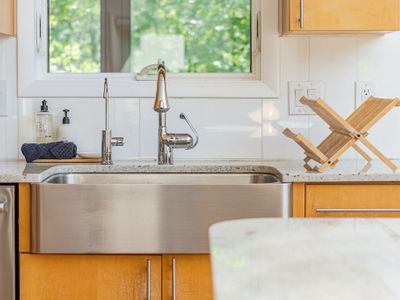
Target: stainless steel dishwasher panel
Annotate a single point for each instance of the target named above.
(144, 218)
(7, 243)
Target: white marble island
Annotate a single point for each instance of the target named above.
(306, 259)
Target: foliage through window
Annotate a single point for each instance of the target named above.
(192, 36)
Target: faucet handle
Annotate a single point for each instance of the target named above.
(196, 141)
(117, 141)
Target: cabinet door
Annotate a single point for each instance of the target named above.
(89, 277)
(188, 276)
(6, 17)
(345, 15)
(353, 200)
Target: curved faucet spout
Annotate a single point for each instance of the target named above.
(161, 104)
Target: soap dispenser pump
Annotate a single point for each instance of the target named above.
(65, 131)
(44, 124)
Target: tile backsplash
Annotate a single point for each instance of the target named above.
(236, 129)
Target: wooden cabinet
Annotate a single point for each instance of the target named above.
(307, 16)
(89, 277)
(7, 17)
(351, 200)
(188, 275)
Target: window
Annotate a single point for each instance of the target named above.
(192, 36)
(212, 49)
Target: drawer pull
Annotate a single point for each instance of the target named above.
(173, 279)
(148, 279)
(356, 210)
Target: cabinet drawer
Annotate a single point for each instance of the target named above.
(353, 200)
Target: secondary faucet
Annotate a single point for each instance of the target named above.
(169, 141)
(108, 140)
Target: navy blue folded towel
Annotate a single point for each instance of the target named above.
(57, 150)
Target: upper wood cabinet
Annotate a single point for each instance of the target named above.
(7, 18)
(308, 16)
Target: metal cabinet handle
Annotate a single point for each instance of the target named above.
(3, 207)
(148, 279)
(301, 14)
(356, 210)
(173, 279)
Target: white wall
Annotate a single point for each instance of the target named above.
(243, 128)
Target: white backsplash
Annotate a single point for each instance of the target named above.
(240, 128)
(9, 123)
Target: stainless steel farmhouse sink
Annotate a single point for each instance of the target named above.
(146, 213)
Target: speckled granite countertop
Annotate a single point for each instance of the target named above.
(285, 170)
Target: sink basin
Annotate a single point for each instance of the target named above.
(146, 213)
(161, 179)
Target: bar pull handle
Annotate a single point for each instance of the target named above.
(173, 279)
(357, 210)
(148, 279)
(301, 14)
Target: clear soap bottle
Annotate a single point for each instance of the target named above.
(44, 124)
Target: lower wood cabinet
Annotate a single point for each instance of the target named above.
(352, 200)
(120, 277)
(89, 277)
(188, 276)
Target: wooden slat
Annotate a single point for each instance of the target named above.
(24, 222)
(330, 116)
(370, 112)
(310, 150)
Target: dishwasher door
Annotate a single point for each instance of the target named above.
(7, 243)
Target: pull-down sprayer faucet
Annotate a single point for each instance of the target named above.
(169, 141)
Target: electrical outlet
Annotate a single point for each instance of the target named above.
(299, 89)
(3, 98)
(364, 90)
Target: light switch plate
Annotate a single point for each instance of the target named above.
(308, 89)
(3, 98)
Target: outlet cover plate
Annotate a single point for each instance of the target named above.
(3, 98)
(309, 89)
(364, 90)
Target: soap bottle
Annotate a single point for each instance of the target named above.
(44, 124)
(65, 131)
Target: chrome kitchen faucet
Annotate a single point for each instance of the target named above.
(168, 141)
(108, 140)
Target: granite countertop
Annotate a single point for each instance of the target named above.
(285, 170)
(306, 259)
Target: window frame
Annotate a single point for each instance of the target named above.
(35, 81)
